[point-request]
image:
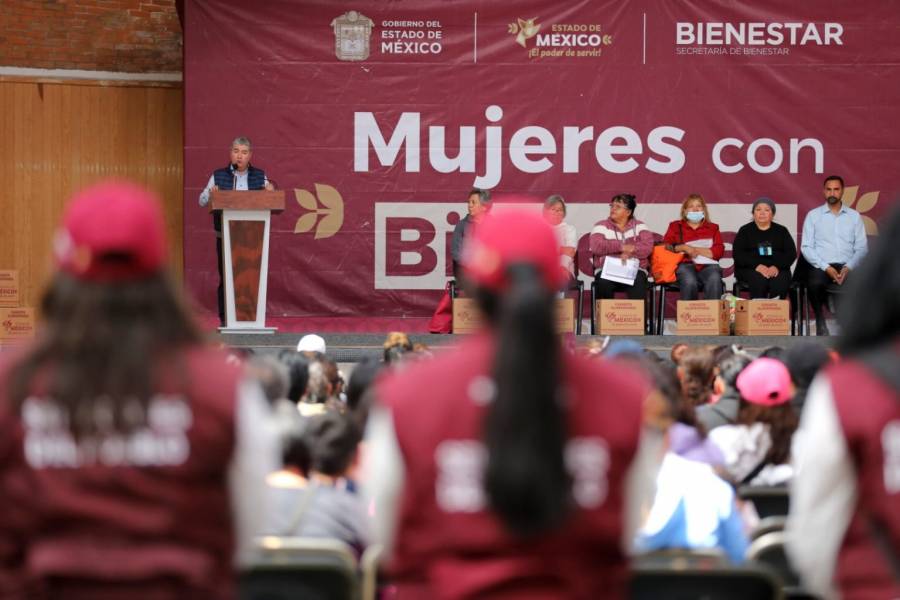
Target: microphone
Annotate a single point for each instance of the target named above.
(234, 169)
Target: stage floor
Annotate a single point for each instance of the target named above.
(351, 348)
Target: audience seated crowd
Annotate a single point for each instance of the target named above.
(713, 419)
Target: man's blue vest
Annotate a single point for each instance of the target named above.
(224, 179)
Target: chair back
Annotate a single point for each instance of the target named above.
(286, 568)
(801, 269)
(584, 258)
(576, 283)
(709, 583)
(768, 549)
(768, 525)
(770, 501)
(369, 562)
(681, 558)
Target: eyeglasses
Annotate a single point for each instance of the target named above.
(617, 205)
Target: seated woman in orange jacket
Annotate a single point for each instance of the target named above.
(701, 243)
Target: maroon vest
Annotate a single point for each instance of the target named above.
(449, 545)
(146, 514)
(869, 413)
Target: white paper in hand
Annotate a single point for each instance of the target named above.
(702, 260)
(614, 269)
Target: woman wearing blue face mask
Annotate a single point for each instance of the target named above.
(701, 244)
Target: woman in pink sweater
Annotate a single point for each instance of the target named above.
(621, 237)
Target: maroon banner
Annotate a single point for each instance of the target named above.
(377, 118)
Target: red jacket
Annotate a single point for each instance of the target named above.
(449, 544)
(149, 513)
(869, 413)
(679, 232)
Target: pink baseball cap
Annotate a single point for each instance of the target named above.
(112, 231)
(765, 381)
(510, 237)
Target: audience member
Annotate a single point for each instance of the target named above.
(700, 243)
(594, 347)
(677, 352)
(132, 457)
(395, 346)
(422, 351)
(327, 506)
(271, 374)
(696, 372)
(298, 374)
(504, 449)
(687, 437)
(724, 411)
(693, 508)
(324, 385)
(619, 348)
(362, 377)
(757, 448)
(337, 383)
(311, 345)
(237, 356)
(295, 458)
(776, 352)
(318, 389)
(844, 525)
(804, 360)
(723, 351)
(834, 243)
(361, 380)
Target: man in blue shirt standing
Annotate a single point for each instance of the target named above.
(834, 243)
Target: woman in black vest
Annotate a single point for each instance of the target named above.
(763, 253)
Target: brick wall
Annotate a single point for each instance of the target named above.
(135, 36)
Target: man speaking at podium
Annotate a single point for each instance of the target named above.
(238, 175)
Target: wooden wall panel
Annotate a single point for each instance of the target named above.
(58, 138)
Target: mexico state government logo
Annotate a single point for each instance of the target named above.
(524, 30)
(352, 32)
(326, 211)
(560, 40)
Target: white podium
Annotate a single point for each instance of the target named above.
(245, 258)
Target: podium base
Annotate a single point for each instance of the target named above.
(248, 330)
